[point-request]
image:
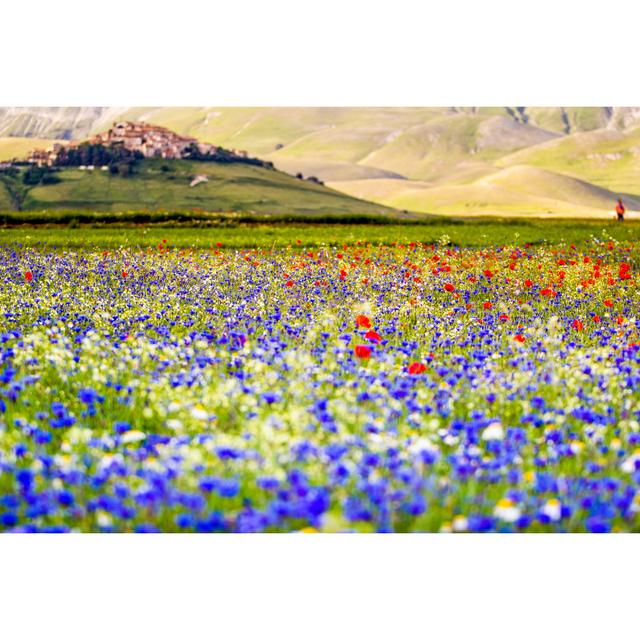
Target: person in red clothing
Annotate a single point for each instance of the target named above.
(620, 210)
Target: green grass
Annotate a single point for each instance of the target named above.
(6, 201)
(463, 233)
(234, 187)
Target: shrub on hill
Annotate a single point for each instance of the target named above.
(224, 156)
(39, 175)
(95, 154)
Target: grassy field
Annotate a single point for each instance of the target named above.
(463, 233)
(231, 187)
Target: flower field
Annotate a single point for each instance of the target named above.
(367, 388)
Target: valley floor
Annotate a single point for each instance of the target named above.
(229, 234)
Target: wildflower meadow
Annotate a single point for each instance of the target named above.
(360, 387)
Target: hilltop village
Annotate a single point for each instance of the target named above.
(137, 138)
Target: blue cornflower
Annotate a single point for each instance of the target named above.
(24, 477)
(185, 520)
(65, 498)
(228, 487)
(596, 524)
(9, 519)
(121, 427)
(20, 450)
(145, 527)
(89, 396)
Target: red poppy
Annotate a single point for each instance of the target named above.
(624, 275)
(597, 318)
(373, 336)
(416, 368)
(519, 337)
(28, 276)
(620, 320)
(547, 292)
(528, 283)
(449, 287)
(289, 283)
(363, 321)
(124, 274)
(488, 273)
(487, 305)
(362, 351)
(608, 303)
(577, 325)
(504, 317)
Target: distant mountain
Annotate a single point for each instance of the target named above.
(441, 160)
(62, 123)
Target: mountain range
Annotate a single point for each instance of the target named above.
(542, 161)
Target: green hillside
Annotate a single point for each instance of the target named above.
(6, 202)
(164, 185)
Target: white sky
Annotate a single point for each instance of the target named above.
(334, 52)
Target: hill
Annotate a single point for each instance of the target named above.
(423, 159)
(606, 157)
(517, 190)
(436, 159)
(164, 185)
